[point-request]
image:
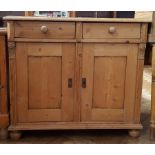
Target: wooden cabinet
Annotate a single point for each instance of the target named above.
(79, 74)
(4, 119)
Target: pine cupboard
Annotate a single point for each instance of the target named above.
(75, 73)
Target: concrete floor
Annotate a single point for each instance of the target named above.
(96, 136)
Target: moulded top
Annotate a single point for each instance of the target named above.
(28, 18)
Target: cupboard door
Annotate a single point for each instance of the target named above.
(108, 82)
(45, 81)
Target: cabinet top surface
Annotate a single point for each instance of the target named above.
(23, 18)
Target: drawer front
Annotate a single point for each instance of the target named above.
(111, 30)
(45, 30)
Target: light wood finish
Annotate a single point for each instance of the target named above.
(105, 73)
(12, 81)
(138, 90)
(153, 24)
(127, 40)
(144, 14)
(77, 105)
(65, 32)
(73, 125)
(110, 72)
(117, 20)
(47, 30)
(44, 40)
(4, 119)
(144, 32)
(10, 30)
(152, 34)
(111, 30)
(43, 71)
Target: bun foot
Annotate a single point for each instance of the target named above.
(15, 135)
(3, 134)
(134, 133)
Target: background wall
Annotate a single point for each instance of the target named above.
(9, 13)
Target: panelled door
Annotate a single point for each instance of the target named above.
(45, 81)
(108, 82)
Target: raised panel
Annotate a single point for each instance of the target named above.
(109, 82)
(45, 82)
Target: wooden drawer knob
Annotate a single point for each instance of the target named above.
(112, 29)
(44, 29)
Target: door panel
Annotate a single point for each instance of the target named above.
(45, 84)
(43, 70)
(108, 86)
(110, 72)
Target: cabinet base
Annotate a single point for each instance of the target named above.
(15, 134)
(71, 125)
